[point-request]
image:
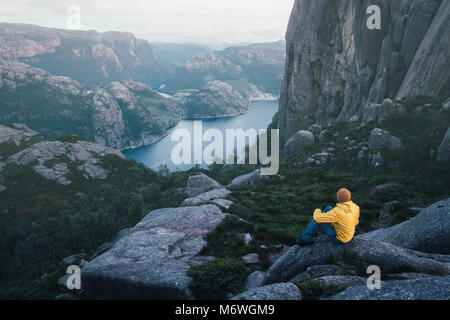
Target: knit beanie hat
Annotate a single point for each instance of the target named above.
(344, 195)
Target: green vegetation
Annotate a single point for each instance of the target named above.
(277, 211)
(42, 222)
(217, 278)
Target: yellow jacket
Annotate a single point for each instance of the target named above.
(344, 217)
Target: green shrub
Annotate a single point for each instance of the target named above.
(217, 278)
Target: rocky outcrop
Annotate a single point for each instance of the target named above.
(15, 134)
(382, 140)
(147, 115)
(336, 69)
(222, 203)
(54, 157)
(425, 74)
(299, 141)
(279, 291)
(74, 259)
(407, 274)
(210, 63)
(248, 179)
(216, 194)
(200, 183)
(426, 232)
(260, 53)
(386, 215)
(256, 66)
(210, 192)
(262, 64)
(251, 258)
(151, 261)
(389, 258)
(444, 148)
(255, 280)
(430, 288)
(57, 173)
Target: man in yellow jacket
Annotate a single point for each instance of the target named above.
(337, 223)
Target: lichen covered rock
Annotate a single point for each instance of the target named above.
(152, 260)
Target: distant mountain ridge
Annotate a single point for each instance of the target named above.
(99, 58)
(90, 57)
(260, 64)
(99, 85)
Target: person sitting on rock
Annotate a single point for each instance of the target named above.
(337, 223)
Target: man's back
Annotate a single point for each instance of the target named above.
(344, 217)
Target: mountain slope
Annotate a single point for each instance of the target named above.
(178, 53)
(90, 57)
(123, 115)
(260, 64)
(63, 196)
(336, 66)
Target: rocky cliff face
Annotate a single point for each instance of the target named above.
(123, 115)
(336, 66)
(90, 57)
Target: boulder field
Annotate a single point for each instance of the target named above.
(151, 260)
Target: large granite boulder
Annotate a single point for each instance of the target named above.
(248, 179)
(200, 183)
(381, 139)
(214, 194)
(85, 154)
(444, 148)
(151, 261)
(389, 258)
(279, 291)
(299, 141)
(426, 232)
(428, 288)
(255, 280)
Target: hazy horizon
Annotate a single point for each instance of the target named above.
(203, 22)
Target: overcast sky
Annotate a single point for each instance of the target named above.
(195, 21)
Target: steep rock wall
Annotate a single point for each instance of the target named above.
(336, 66)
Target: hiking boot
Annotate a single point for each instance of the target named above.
(302, 243)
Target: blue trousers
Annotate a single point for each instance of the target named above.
(313, 229)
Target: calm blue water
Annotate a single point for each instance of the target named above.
(157, 154)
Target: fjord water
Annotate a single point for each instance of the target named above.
(159, 153)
